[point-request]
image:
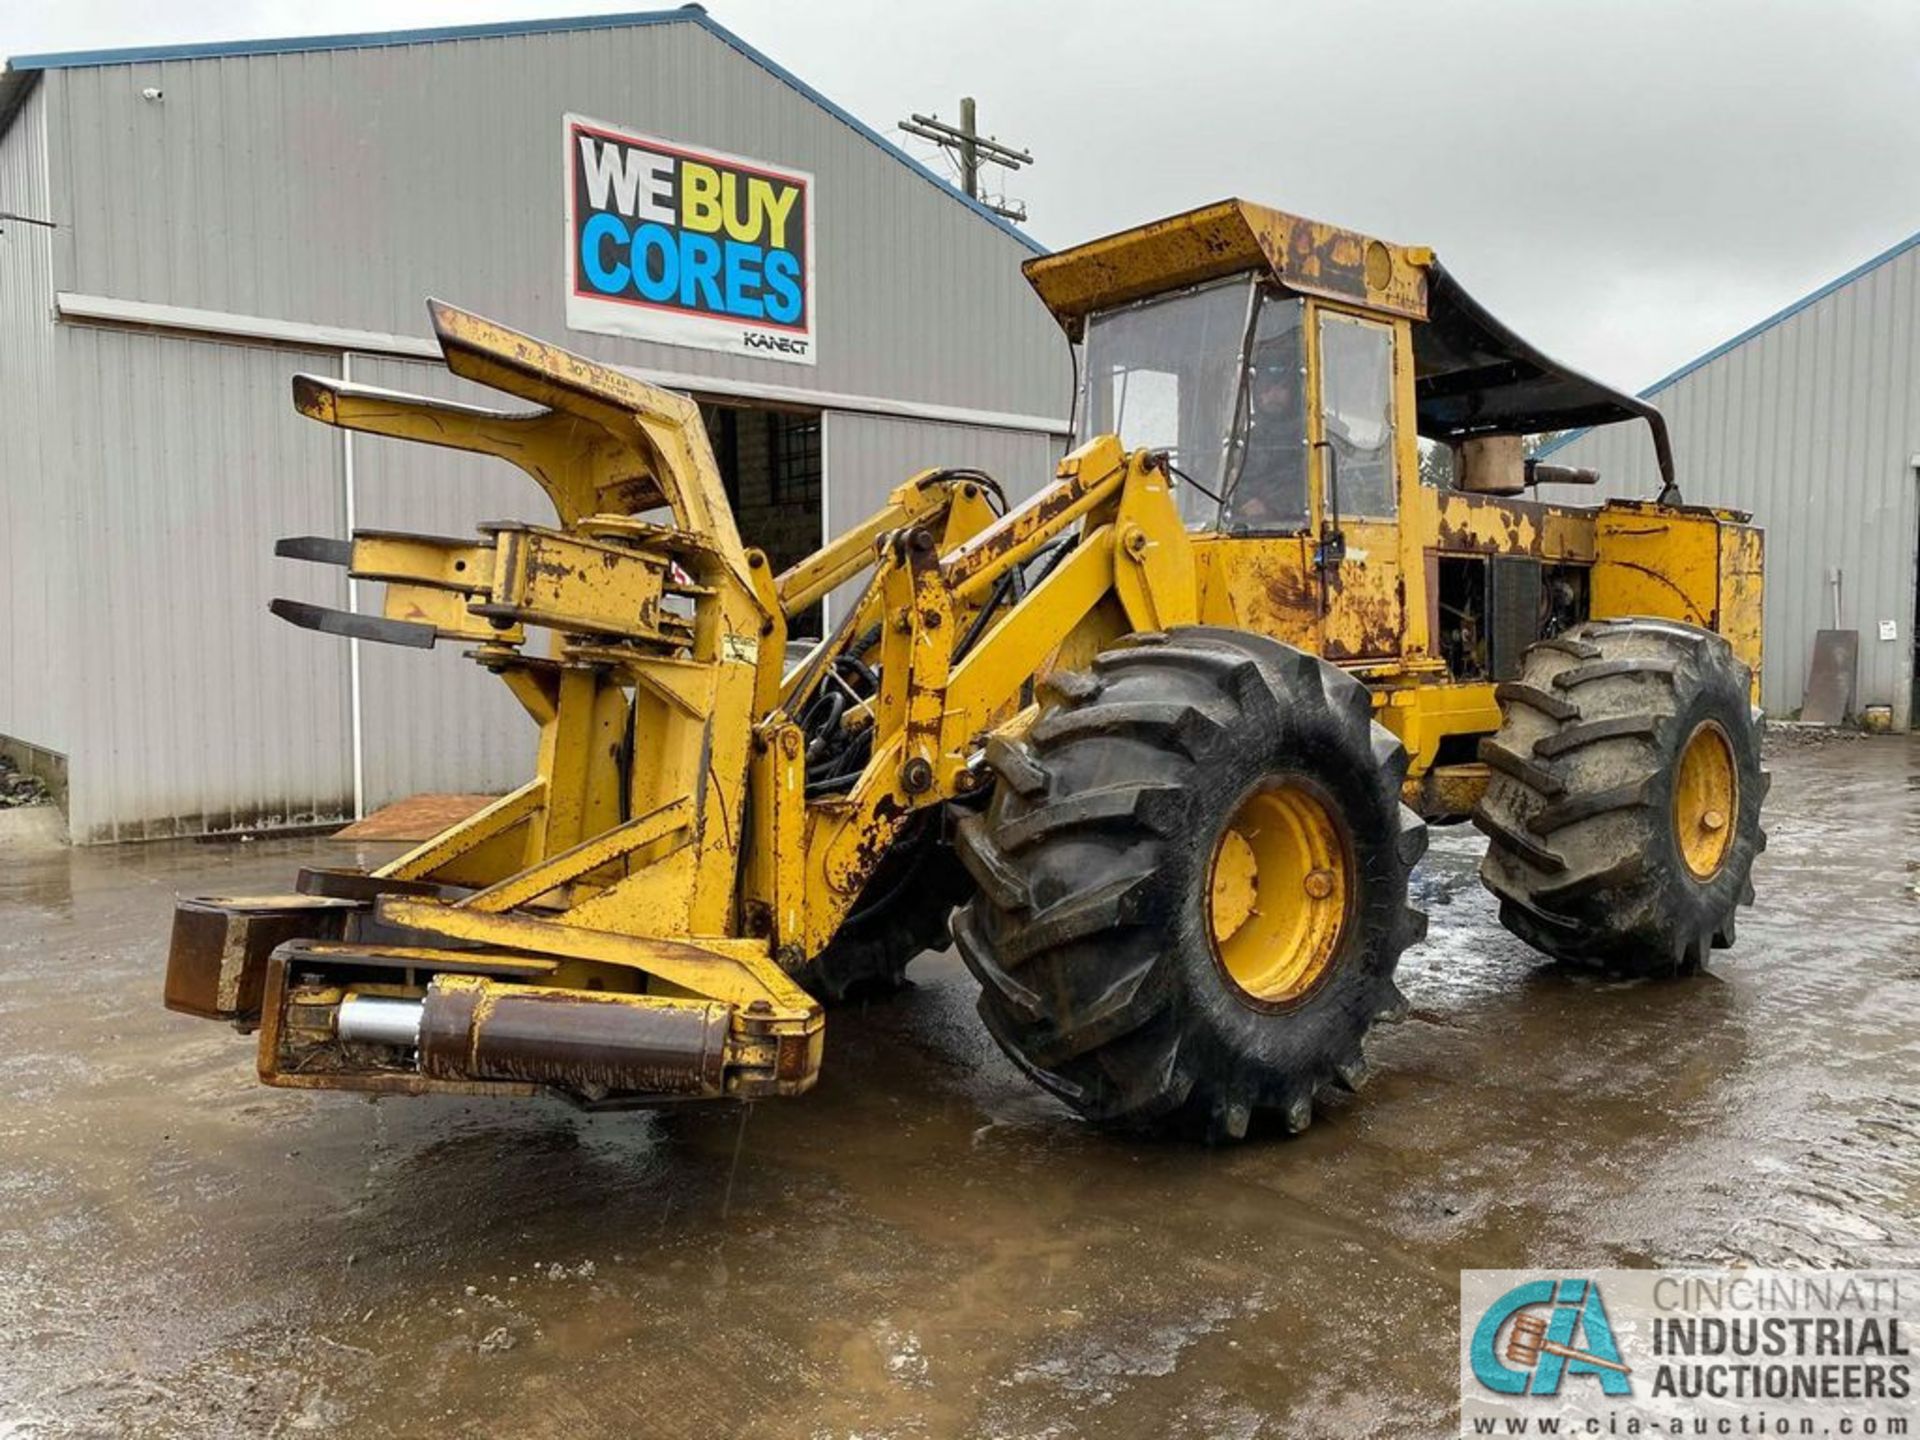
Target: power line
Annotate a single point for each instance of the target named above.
(974, 150)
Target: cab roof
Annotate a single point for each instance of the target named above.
(1225, 239)
(1472, 375)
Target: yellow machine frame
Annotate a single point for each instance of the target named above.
(1374, 613)
(624, 926)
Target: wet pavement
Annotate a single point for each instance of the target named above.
(925, 1245)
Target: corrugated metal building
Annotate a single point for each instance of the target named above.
(1811, 420)
(226, 215)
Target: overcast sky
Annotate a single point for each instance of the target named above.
(1627, 182)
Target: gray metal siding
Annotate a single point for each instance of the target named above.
(37, 663)
(343, 187)
(867, 456)
(202, 712)
(1812, 425)
(435, 720)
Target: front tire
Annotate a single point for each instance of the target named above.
(1623, 812)
(1192, 884)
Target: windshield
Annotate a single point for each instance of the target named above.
(1164, 374)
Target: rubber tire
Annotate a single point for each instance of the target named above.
(902, 914)
(1089, 931)
(1578, 812)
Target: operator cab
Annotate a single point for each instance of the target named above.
(1260, 351)
(1217, 375)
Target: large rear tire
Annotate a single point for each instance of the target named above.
(1192, 884)
(1623, 812)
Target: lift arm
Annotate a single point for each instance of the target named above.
(622, 927)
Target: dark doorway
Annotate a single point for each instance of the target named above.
(771, 463)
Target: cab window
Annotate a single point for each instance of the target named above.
(1356, 412)
(1163, 374)
(1267, 485)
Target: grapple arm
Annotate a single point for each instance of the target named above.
(598, 900)
(622, 928)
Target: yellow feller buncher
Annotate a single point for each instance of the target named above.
(1156, 748)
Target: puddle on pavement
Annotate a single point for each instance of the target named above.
(926, 1245)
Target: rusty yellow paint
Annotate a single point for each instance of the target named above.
(456, 565)
(1029, 645)
(1268, 584)
(1462, 524)
(1657, 562)
(922, 499)
(1153, 574)
(1264, 583)
(1088, 477)
(1412, 539)
(1446, 792)
(776, 1051)
(667, 826)
(711, 966)
(507, 813)
(667, 851)
(681, 618)
(1742, 554)
(432, 581)
(605, 443)
(1423, 715)
(450, 614)
(665, 637)
(575, 585)
(774, 878)
(1362, 596)
(1230, 237)
(932, 715)
(968, 513)
(770, 653)
(1363, 618)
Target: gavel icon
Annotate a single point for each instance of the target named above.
(1528, 1342)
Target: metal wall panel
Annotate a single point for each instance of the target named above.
(36, 524)
(202, 713)
(867, 456)
(343, 187)
(1812, 424)
(433, 720)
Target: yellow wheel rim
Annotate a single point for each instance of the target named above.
(1278, 885)
(1706, 800)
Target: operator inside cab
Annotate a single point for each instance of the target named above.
(1270, 492)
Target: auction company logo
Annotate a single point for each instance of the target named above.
(1517, 1350)
(687, 246)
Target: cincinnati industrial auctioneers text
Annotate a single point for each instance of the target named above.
(1688, 1352)
(1761, 1351)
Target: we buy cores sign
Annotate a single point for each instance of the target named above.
(687, 246)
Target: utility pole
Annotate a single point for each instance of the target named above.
(974, 151)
